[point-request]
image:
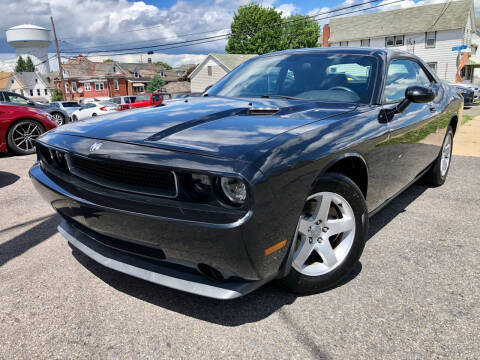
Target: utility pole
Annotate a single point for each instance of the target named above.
(60, 69)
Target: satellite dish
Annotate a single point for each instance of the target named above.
(80, 90)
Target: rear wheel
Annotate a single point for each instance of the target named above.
(21, 136)
(74, 118)
(94, 114)
(59, 118)
(437, 174)
(330, 235)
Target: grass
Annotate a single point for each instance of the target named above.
(466, 118)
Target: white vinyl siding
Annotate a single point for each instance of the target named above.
(201, 80)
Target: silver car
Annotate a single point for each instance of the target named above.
(68, 106)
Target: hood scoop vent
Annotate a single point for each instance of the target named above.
(262, 111)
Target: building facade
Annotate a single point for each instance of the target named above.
(428, 31)
(213, 68)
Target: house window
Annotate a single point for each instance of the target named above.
(114, 69)
(365, 42)
(430, 39)
(115, 84)
(46, 91)
(161, 73)
(343, 43)
(74, 86)
(12, 81)
(433, 66)
(391, 41)
(21, 92)
(38, 92)
(99, 86)
(36, 81)
(136, 74)
(209, 70)
(399, 40)
(86, 86)
(31, 92)
(66, 87)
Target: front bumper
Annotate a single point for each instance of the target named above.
(236, 249)
(159, 272)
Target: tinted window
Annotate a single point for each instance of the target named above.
(117, 100)
(142, 98)
(401, 75)
(70, 104)
(156, 98)
(15, 98)
(319, 77)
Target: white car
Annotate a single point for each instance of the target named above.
(94, 109)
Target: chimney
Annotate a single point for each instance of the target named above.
(149, 60)
(326, 35)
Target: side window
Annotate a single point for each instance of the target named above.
(401, 75)
(17, 99)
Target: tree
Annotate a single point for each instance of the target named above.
(300, 32)
(29, 67)
(164, 64)
(20, 66)
(56, 95)
(156, 84)
(252, 31)
(187, 74)
(108, 61)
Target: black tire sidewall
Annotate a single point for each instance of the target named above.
(345, 187)
(11, 144)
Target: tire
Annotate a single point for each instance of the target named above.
(94, 114)
(437, 174)
(59, 118)
(347, 206)
(21, 136)
(74, 118)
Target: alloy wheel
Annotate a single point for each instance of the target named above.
(24, 135)
(324, 235)
(446, 155)
(58, 119)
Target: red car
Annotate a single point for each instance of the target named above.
(20, 126)
(147, 100)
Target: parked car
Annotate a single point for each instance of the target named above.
(263, 177)
(124, 102)
(92, 109)
(68, 106)
(20, 126)
(147, 100)
(474, 87)
(467, 93)
(61, 116)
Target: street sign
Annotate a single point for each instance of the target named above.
(458, 48)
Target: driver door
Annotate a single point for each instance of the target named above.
(408, 149)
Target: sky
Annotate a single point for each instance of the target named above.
(86, 26)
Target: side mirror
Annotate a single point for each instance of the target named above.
(415, 94)
(419, 94)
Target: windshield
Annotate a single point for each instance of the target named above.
(71, 104)
(320, 77)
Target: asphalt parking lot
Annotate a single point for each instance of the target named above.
(415, 294)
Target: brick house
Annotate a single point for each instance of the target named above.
(138, 75)
(85, 79)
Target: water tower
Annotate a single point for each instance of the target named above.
(33, 41)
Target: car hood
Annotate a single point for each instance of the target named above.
(213, 126)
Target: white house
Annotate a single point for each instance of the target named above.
(30, 84)
(428, 31)
(213, 68)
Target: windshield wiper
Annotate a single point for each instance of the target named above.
(268, 96)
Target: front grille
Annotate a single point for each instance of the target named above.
(123, 176)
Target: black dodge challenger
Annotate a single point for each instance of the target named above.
(272, 173)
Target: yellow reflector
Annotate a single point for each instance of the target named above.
(350, 79)
(275, 247)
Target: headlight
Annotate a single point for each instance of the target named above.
(234, 189)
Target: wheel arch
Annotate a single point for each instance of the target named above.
(454, 124)
(352, 165)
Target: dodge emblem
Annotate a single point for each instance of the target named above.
(95, 146)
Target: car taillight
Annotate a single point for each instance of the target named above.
(103, 108)
(123, 107)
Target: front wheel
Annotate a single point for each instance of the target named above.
(21, 136)
(330, 235)
(74, 118)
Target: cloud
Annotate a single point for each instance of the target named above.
(287, 9)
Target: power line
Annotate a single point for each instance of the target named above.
(222, 37)
(257, 30)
